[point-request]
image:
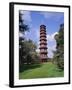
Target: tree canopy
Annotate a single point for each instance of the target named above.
(59, 54)
(27, 48)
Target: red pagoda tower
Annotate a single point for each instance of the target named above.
(43, 44)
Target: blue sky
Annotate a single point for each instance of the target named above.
(52, 20)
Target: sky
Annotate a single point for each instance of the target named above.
(51, 20)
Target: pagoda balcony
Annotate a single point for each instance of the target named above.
(41, 43)
(42, 35)
(43, 46)
(43, 38)
(43, 51)
(42, 32)
(43, 57)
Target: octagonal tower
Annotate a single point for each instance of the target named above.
(43, 44)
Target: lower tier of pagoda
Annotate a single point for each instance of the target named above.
(43, 59)
(43, 52)
(43, 47)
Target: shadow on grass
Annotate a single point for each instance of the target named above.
(25, 67)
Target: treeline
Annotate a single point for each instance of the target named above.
(59, 54)
(27, 48)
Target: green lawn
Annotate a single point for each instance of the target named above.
(43, 70)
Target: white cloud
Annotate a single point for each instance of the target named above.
(51, 44)
(50, 50)
(26, 16)
(33, 34)
(37, 38)
(54, 34)
(50, 54)
(37, 50)
(51, 37)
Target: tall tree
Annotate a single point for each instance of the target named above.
(22, 28)
(27, 48)
(59, 54)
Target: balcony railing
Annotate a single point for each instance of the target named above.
(43, 46)
(43, 38)
(43, 51)
(42, 29)
(43, 42)
(43, 57)
(42, 32)
(42, 35)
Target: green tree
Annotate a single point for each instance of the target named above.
(29, 52)
(22, 29)
(27, 48)
(59, 54)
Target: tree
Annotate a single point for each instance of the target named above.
(27, 48)
(59, 54)
(22, 29)
(29, 52)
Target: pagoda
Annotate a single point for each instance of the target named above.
(43, 44)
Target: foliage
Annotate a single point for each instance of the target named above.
(29, 52)
(22, 28)
(27, 49)
(59, 54)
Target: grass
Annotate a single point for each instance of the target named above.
(43, 70)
